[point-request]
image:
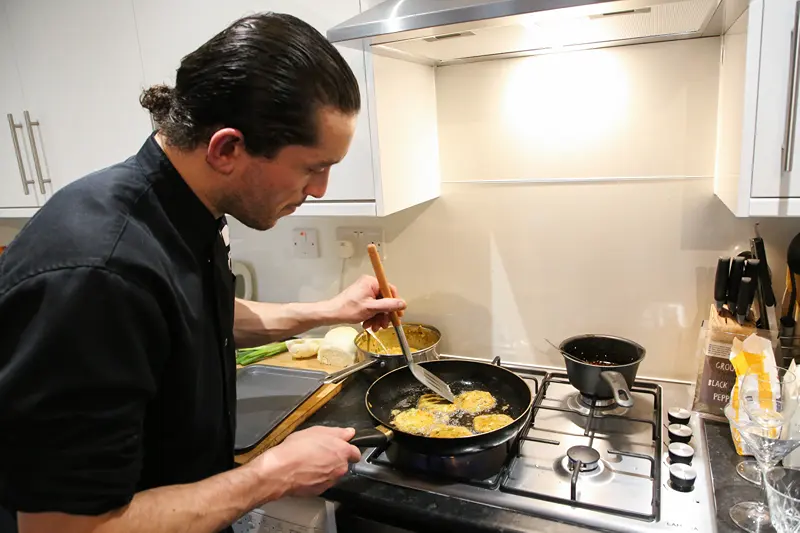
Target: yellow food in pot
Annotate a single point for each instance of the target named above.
(443, 431)
(475, 401)
(486, 423)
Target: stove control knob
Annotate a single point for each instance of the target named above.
(679, 415)
(680, 453)
(682, 477)
(679, 433)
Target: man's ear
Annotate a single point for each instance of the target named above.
(225, 147)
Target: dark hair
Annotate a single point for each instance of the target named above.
(265, 75)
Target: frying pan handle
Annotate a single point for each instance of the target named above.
(372, 438)
(619, 387)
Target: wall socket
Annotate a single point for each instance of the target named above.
(361, 237)
(305, 244)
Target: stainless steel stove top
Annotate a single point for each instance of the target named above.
(627, 490)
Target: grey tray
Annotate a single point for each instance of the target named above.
(265, 396)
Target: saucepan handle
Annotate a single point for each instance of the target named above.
(622, 395)
(336, 377)
(372, 438)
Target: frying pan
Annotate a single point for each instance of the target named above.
(399, 389)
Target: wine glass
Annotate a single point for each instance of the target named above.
(748, 471)
(783, 496)
(763, 396)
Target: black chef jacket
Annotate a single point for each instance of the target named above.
(117, 365)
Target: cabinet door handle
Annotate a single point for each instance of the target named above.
(36, 163)
(13, 127)
(791, 114)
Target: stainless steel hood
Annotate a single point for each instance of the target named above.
(442, 32)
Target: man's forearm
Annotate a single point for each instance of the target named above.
(203, 507)
(257, 323)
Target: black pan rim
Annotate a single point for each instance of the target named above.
(601, 336)
(387, 425)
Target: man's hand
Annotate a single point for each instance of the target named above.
(310, 461)
(362, 302)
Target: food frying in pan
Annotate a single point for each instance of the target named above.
(435, 417)
(475, 401)
(414, 421)
(436, 404)
(444, 431)
(486, 423)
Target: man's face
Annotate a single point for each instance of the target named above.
(268, 189)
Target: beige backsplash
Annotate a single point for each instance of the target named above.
(9, 227)
(499, 268)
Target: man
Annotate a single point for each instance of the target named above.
(117, 391)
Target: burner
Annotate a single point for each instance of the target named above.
(582, 404)
(599, 404)
(586, 456)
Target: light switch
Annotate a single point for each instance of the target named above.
(305, 243)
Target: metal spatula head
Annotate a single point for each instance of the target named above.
(430, 380)
(427, 378)
(423, 376)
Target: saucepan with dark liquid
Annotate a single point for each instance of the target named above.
(602, 366)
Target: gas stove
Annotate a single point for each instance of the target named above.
(584, 462)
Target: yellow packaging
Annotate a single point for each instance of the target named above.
(754, 353)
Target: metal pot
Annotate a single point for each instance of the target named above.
(602, 366)
(422, 338)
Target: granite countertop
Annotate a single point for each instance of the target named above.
(424, 511)
(729, 488)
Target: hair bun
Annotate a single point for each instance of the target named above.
(158, 100)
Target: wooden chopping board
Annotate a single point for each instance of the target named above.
(285, 360)
(303, 412)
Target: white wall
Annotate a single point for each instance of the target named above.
(631, 111)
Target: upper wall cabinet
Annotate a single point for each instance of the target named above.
(80, 76)
(170, 29)
(758, 150)
(19, 191)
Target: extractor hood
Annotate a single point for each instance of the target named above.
(442, 32)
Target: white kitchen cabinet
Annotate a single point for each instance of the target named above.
(758, 150)
(81, 76)
(18, 187)
(170, 29)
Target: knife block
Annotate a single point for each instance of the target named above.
(723, 327)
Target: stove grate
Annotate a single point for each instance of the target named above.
(589, 431)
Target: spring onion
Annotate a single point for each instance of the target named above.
(248, 356)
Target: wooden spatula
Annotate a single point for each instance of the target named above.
(425, 377)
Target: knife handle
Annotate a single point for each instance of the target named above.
(721, 280)
(752, 268)
(747, 290)
(764, 275)
(383, 283)
(737, 269)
